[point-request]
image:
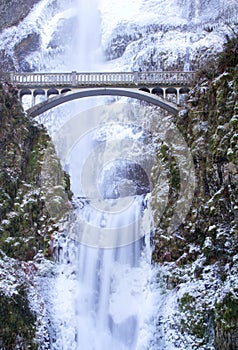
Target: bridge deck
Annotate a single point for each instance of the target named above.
(102, 79)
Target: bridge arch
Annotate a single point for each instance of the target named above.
(172, 94)
(144, 88)
(92, 92)
(52, 91)
(39, 92)
(24, 92)
(171, 90)
(158, 91)
(63, 91)
(184, 90)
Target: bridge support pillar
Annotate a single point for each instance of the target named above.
(33, 99)
(12, 76)
(136, 76)
(178, 96)
(74, 78)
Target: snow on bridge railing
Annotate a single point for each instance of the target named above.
(101, 79)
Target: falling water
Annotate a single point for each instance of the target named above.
(100, 299)
(86, 53)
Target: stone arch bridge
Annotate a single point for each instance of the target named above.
(57, 88)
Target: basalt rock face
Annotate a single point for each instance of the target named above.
(7, 63)
(29, 185)
(27, 46)
(202, 252)
(13, 11)
(22, 147)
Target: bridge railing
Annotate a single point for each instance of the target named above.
(28, 79)
(101, 79)
(166, 78)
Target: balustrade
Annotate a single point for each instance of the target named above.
(101, 79)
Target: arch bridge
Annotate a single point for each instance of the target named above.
(160, 88)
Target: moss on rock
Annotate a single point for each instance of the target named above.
(25, 218)
(17, 329)
(26, 223)
(210, 129)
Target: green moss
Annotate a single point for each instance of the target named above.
(164, 149)
(227, 312)
(186, 301)
(195, 318)
(174, 176)
(24, 215)
(17, 322)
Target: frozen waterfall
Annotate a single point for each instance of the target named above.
(101, 296)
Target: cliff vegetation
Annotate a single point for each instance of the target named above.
(26, 228)
(199, 260)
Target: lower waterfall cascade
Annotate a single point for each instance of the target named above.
(103, 296)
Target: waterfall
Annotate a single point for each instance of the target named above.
(104, 267)
(99, 298)
(86, 53)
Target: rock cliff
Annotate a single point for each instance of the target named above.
(26, 228)
(200, 258)
(10, 17)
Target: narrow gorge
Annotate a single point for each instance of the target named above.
(163, 187)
